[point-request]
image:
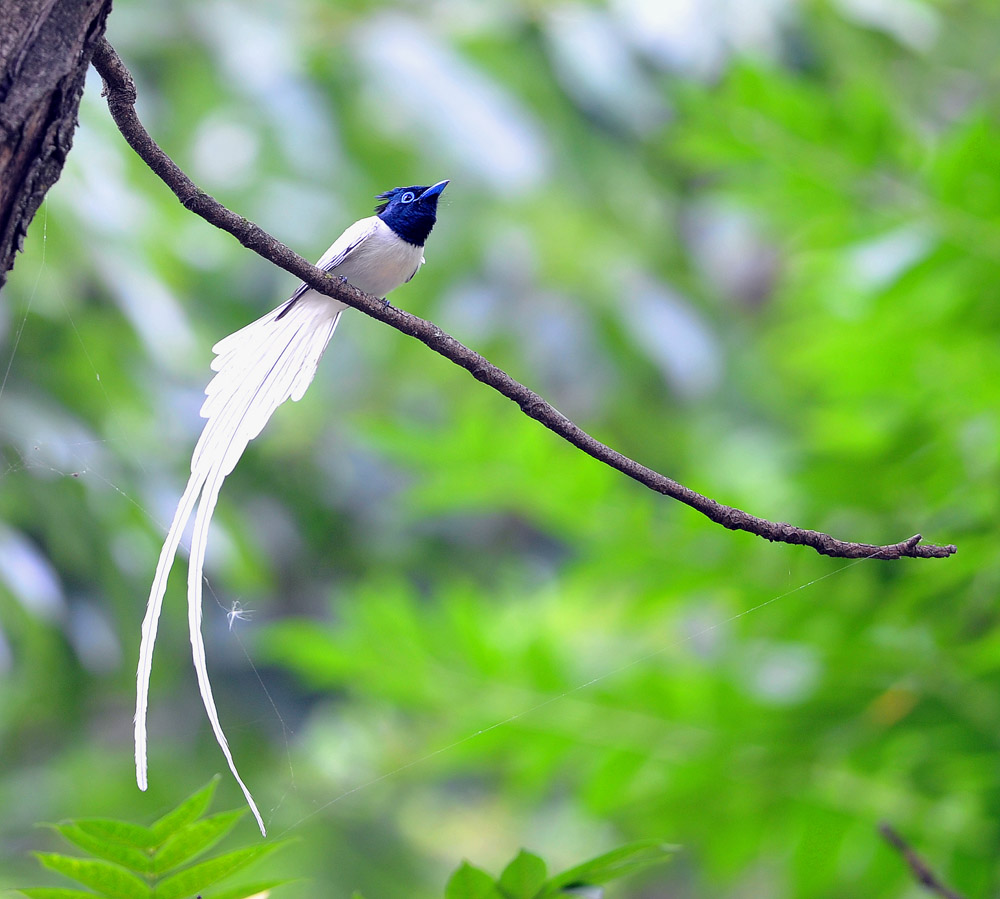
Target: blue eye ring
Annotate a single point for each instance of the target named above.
(408, 197)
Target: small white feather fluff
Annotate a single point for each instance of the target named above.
(257, 368)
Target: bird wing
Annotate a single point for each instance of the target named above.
(338, 251)
(417, 269)
(257, 369)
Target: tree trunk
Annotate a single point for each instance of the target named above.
(45, 49)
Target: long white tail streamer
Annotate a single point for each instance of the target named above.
(258, 368)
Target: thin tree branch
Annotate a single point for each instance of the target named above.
(919, 868)
(119, 88)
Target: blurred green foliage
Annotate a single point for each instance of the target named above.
(757, 249)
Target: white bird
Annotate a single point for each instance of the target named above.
(257, 369)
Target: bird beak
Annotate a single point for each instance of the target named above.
(434, 191)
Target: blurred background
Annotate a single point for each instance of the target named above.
(754, 245)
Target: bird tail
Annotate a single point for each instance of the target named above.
(257, 369)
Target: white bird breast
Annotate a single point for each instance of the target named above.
(381, 261)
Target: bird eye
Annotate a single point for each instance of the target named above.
(408, 197)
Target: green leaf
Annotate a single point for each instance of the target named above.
(108, 879)
(97, 840)
(523, 877)
(468, 882)
(108, 830)
(612, 865)
(192, 880)
(54, 893)
(188, 811)
(193, 839)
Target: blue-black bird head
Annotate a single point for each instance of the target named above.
(411, 211)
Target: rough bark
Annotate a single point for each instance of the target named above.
(45, 49)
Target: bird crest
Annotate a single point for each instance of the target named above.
(411, 211)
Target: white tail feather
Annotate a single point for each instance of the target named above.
(258, 368)
(184, 509)
(196, 564)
